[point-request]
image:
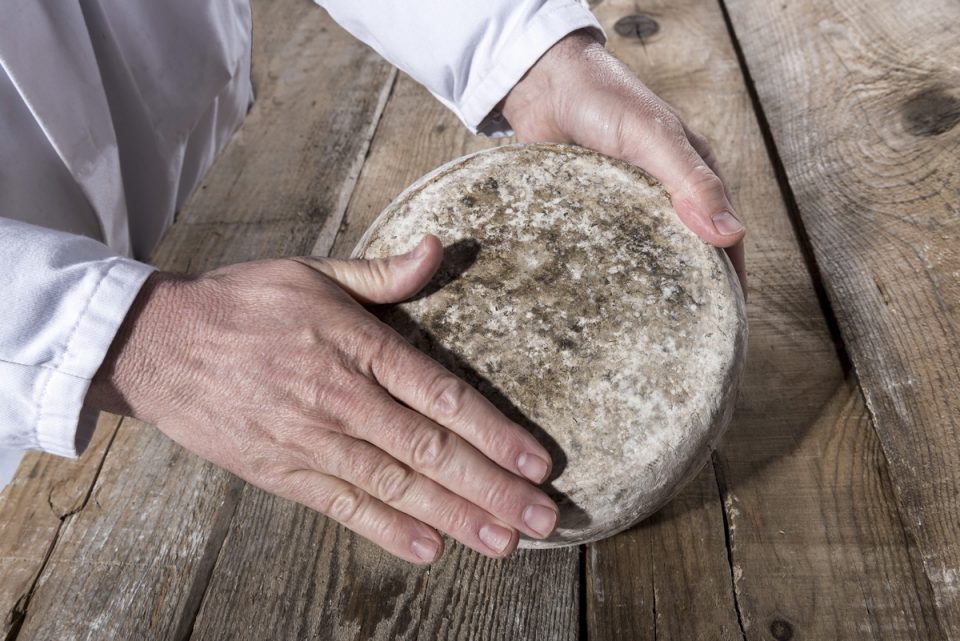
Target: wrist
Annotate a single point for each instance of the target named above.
(130, 379)
(535, 105)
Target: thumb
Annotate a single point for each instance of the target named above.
(697, 191)
(384, 280)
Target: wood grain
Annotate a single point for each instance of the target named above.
(799, 528)
(135, 561)
(287, 572)
(668, 577)
(416, 135)
(863, 102)
(814, 546)
(464, 596)
(46, 490)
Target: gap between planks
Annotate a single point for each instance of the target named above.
(789, 198)
(332, 226)
(723, 492)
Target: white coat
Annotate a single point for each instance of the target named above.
(110, 113)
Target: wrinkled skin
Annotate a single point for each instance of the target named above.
(276, 371)
(580, 93)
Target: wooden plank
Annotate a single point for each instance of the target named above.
(668, 577)
(46, 490)
(464, 596)
(862, 100)
(533, 594)
(816, 548)
(416, 135)
(817, 544)
(135, 561)
(131, 563)
(287, 572)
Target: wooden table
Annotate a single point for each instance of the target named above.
(831, 509)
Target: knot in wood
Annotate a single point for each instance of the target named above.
(931, 112)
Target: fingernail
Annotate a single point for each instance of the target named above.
(425, 549)
(533, 467)
(540, 519)
(727, 224)
(495, 537)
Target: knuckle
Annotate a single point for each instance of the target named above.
(432, 449)
(665, 121)
(702, 179)
(458, 518)
(673, 127)
(344, 505)
(378, 272)
(447, 396)
(393, 482)
(367, 342)
(503, 496)
(333, 401)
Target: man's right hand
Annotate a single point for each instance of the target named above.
(275, 371)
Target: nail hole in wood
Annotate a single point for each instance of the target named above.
(781, 630)
(638, 25)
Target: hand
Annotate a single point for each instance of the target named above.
(274, 371)
(578, 92)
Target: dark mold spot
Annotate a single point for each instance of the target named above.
(638, 25)
(931, 112)
(781, 630)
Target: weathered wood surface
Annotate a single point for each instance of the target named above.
(799, 529)
(135, 561)
(46, 491)
(807, 540)
(863, 103)
(343, 587)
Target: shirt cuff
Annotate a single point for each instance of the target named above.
(477, 107)
(64, 424)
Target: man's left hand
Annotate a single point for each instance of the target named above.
(580, 93)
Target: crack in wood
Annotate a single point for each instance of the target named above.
(727, 536)
(653, 590)
(919, 567)
(19, 613)
(583, 624)
(208, 560)
(426, 582)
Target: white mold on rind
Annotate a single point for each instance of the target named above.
(574, 297)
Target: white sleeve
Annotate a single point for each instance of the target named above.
(64, 298)
(469, 54)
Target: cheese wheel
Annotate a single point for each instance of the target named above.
(575, 299)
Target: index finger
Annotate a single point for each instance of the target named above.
(430, 389)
